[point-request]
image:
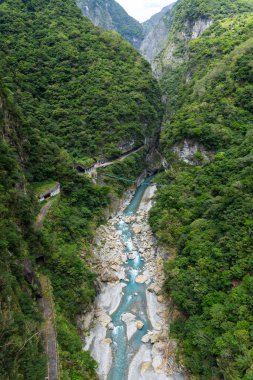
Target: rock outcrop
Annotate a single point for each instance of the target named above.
(191, 152)
(156, 33)
(111, 16)
(175, 50)
(149, 37)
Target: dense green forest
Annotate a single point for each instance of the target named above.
(204, 216)
(20, 318)
(68, 231)
(187, 18)
(88, 90)
(192, 10)
(68, 91)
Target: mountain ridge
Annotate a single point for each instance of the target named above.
(156, 33)
(148, 37)
(110, 15)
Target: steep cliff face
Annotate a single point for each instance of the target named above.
(20, 321)
(155, 19)
(149, 37)
(111, 16)
(175, 50)
(188, 21)
(156, 32)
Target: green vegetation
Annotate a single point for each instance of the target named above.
(204, 216)
(111, 15)
(174, 71)
(21, 353)
(71, 352)
(192, 10)
(130, 168)
(94, 91)
(42, 187)
(68, 92)
(68, 231)
(214, 108)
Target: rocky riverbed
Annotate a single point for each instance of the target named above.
(128, 260)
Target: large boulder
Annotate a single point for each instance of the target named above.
(109, 276)
(137, 229)
(141, 279)
(139, 325)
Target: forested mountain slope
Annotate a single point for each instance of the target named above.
(20, 319)
(94, 92)
(204, 216)
(68, 92)
(189, 19)
(111, 15)
(148, 37)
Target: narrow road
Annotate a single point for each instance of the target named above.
(47, 307)
(49, 334)
(108, 163)
(98, 165)
(42, 214)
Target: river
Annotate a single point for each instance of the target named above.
(129, 334)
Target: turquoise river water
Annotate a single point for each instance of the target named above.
(133, 300)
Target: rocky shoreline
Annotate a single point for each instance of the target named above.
(156, 358)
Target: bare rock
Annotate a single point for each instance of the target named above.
(158, 336)
(103, 318)
(107, 341)
(139, 325)
(151, 288)
(130, 321)
(84, 321)
(146, 338)
(109, 276)
(137, 229)
(127, 317)
(145, 366)
(132, 256)
(31, 278)
(161, 299)
(141, 279)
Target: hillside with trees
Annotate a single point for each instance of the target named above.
(204, 216)
(71, 77)
(110, 15)
(189, 19)
(72, 93)
(68, 92)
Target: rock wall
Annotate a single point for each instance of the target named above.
(157, 29)
(177, 41)
(111, 16)
(192, 152)
(198, 27)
